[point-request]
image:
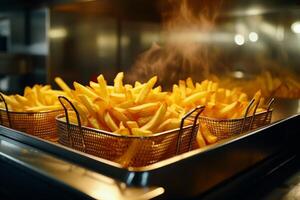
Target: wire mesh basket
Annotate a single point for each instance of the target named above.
(128, 150)
(226, 128)
(40, 124)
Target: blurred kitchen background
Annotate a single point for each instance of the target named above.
(77, 40)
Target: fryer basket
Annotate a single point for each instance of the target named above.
(226, 128)
(135, 151)
(40, 124)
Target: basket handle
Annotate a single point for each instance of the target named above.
(269, 108)
(245, 115)
(198, 109)
(6, 110)
(61, 98)
(253, 114)
(270, 104)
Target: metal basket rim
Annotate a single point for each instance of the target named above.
(98, 131)
(236, 119)
(28, 112)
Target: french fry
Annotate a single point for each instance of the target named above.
(169, 124)
(82, 112)
(228, 110)
(153, 123)
(118, 82)
(103, 86)
(88, 104)
(147, 107)
(140, 132)
(119, 114)
(110, 122)
(200, 140)
(143, 120)
(118, 97)
(145, 90)
(209, 138)
(189, 83)
(195, 97)
(43, 108)
(62, 85)
(84, 90)
(122, 130)
(132, 124)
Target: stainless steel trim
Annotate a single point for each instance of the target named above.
(89, 182)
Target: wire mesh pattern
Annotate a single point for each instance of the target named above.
(126, 150)
(224, 129)
(135, 151)
(40, 124)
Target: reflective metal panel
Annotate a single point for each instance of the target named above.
(87, 182)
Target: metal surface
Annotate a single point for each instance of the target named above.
(198, 170)
(205, 168)
(14, 64)
(128, 150)
(92, 184)
(284, 108)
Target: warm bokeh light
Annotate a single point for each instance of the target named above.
(296, 27)
(253, 37)
(238, 74)
(239, 39)
(58, 33)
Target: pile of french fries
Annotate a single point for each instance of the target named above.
(143, 108)
(36, 99)
(140, 109)
(220, 103)
(284, 85)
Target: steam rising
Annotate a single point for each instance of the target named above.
(185, 50)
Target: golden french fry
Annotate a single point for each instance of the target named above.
(126, 104)
(11, 101)
(21, 99)
(200, 140)
(93, 122)
(189, 83)
(132, 124)
(44, 108)
(143, 120)
(144, 107)
(103, 86)
(118, 113)
(154, 122)
(62, 85)
(85, 91)
(228, 110)
(118, 82)
(118, 97)
(110, 122)
(140, 132)
(210, 138)
(122, 130)
(169, 124)
(145, 90)
(88, 104)
(195, 97)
